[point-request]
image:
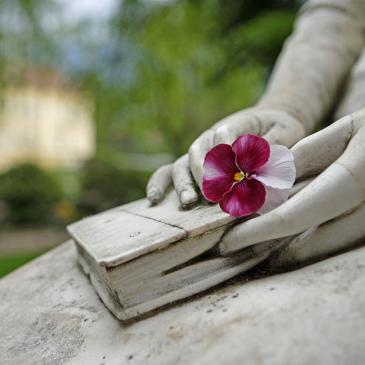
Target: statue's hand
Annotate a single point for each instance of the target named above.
(334, 199)
(186, 173)
(322, 241)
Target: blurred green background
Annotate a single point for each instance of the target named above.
(95, 95)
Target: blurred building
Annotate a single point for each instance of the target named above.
(46, 122)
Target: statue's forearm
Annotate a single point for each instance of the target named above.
(316, 60)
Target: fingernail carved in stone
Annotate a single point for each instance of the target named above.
(154, 195)
(187, 197)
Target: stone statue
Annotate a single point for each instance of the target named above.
(50, 313)
(320, 72)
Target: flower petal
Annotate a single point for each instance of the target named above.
(219, 170)
(251, 152)
(245, 197)
(279, 171)
(274, 198)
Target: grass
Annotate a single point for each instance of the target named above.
(10, 262)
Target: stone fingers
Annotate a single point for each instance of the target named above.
(354, 156)
(158, 184)
(319, 242)
(197, 153)
(177, 174)
(316, 152)
(242, 122)
(337, 190)
(285, 133)
(329, 195)
(183, 182)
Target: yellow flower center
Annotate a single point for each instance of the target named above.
(239, 176)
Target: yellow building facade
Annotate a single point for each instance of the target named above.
(49, 126)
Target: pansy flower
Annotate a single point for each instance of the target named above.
(249, 176)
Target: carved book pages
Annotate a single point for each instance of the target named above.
(140, 258)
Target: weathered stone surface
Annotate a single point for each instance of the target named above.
(139, 257)
(50, 314)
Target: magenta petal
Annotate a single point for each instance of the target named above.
(251, 152)
(219, 170)
(245, 198)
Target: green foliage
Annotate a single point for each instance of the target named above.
(190, 71)
(105, 186)
(261, 38)
(11, 262)
(30, 194)
(166, 72)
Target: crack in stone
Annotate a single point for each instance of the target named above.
(156, 220)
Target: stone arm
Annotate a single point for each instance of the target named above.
(307, 79)
(316, 60)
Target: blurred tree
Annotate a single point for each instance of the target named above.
(105, 186)
(24, 37)
(237, 12)
(30, 195)
(159, 72)
(193, 66)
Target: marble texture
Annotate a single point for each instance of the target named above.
(50, 314)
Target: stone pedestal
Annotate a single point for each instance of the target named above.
(50, 314)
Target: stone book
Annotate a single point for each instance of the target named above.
(141, 257)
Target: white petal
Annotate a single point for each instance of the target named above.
(279, 171)
(274, 198)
